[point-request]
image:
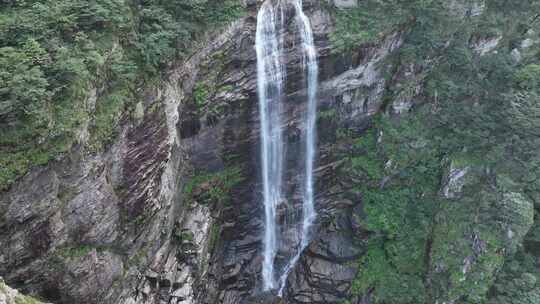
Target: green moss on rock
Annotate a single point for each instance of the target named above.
(12, 296)
(216, 187)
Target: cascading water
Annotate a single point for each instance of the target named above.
(309, 61)
(270, 78)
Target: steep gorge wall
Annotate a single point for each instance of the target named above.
(171, 211)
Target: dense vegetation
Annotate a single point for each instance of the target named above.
(70, 69)
(477, 111)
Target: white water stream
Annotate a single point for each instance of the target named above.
(270, 84)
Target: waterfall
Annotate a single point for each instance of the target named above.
(309, 61)
(270, 83)
(270, 78)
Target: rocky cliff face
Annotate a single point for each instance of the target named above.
(171, 212)
(9, 295)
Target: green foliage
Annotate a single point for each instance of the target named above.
(518, 282)
(213, 187)
(76, 252)
(374, 19)
(385, 211)
(478, 112)
(19, 298)
(53, 52)
(377, 269)
(183, 236)
(367, 159)
(330, 114)
(168, 28)
(422, 247)
(22, 299)
(400, 174)
(353, 27)
(23, 85)
(528, 77)
(215, 230)
(467, 247)
(200, 94)
(106, 118)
